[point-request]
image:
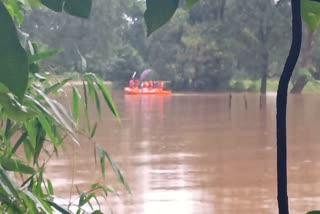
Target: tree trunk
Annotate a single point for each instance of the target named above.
(306, 63)
(282, 107)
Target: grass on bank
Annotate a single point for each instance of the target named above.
(272, 86)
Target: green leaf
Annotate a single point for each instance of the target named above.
(310, 12)
(13, 7)
(313, 212)
(98, 105)
(85, 94)
(14, 67)
(55, 5)
(38, 203)
(114, 167)
(158, 13)
(54, 88)
(102, 161)
(45, 125)
(16, 166)
(41, 137)
(43, 55)
(190, 3)
(7, 184)
(107, 97)
(59, 208)
(21, 140)
(28, 149)
(75, 104)
(93, 133)
(79, 8)
(50, 187)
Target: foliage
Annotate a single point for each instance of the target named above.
(32, 120)
(196, 50)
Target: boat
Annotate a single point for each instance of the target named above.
(146, 87)
(146, 91)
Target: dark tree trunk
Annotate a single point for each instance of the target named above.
(222, 8)
(306, 63)
(282, 94)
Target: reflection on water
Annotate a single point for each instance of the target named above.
(190, 153)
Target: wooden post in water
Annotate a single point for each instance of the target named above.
(245, 102)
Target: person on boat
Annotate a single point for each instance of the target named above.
(144, 84)
(131, 83)
(160, 85)
(136, 84)
(151, 85)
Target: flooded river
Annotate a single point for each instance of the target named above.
(192, 154)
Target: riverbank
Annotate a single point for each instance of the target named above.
(272, 86)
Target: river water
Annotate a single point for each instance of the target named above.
(194, 153)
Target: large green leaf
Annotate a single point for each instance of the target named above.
(158, 13)
(55, 5)
(15, 11)
(314, 212)
(310, 12)
(13, 58)
(16, 166)
(79, 8)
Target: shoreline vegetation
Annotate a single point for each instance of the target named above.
(234, 85)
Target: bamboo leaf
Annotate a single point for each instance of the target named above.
(59, 208)
(21, 140)
(50, 187)
(40, 205)
(94, 130)
(114, 167)
(7, 185)
(48, 129)
(98, 105)
(102, 161)
(56, 86)
(75, 104)
(41, 136)
(16, 166)
(107, 97)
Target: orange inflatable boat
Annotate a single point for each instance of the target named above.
(145, 91)
(147, 88)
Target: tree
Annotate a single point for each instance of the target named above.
(262, 28)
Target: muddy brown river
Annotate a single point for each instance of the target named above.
(192, 154)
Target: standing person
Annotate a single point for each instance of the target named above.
(131, 83)
(161, 85)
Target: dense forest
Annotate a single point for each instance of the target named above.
(204, 49)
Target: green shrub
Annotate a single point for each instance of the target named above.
(253, 87)
(239, 86)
